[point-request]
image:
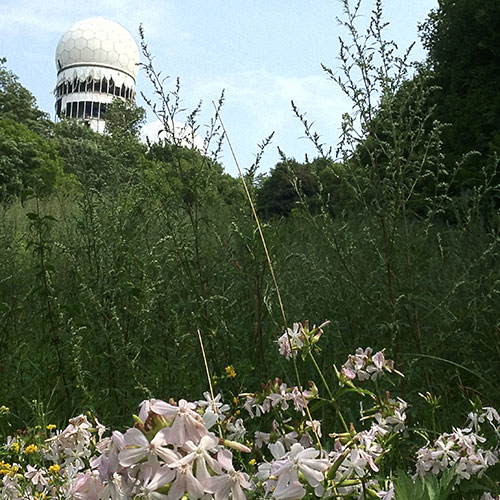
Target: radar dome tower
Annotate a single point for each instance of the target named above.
(97, 60)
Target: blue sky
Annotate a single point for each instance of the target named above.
(262, 52)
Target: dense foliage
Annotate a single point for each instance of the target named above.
(117, 256)
(462, 41)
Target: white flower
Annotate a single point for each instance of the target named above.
(237, 430)
(188, 425)
(230, 483)
(387, 495)
(37, 476)
(287, 469)
(199, 454)
(185, 482)
(261, 438)
(86, 487)
(137, 447)
(291, 341)
(214, 409)
(154, 477)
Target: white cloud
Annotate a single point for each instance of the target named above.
(258, 103)
(261, 102)
(53, 16)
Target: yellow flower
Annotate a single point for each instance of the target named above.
(235, 400)
(4, 467)
(252, 462)
(51, 427)
(54, 469)
(15, 446)
(31, 448)
(4, 409)
(230, 372)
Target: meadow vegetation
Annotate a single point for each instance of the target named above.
(117, 256)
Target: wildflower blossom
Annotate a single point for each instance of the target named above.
(460, 449)
(37, 476)
(153, 477)
(86, 486)
(187, 426)
(54, 469)
(232, 482)
(286, 470)
(236, 430)
(137, 447)
(214, 409)
(291, 341)
(185, 482)
(198, 455)
(365, 366)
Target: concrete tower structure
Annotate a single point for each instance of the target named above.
(97, 61)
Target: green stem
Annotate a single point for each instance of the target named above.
(332, 399)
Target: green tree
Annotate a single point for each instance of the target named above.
(18, 104)
(291, 183)
(463, 41)
(124, 119)
(27, 160)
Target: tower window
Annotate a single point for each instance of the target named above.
(104, 86)
(74, 109)
(81, 105)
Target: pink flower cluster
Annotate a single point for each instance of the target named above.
(299, 337)
(276, 394)
(281, 476)
(170, 454)
(363, 365)
(461, 448)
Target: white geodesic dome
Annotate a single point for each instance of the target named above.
(97, 61)
(94, 47)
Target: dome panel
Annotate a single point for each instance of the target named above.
(94, 43)
(112, 56)
(80, 43)
(101, 35)
(100, 55)
(74, 54)
(87, 54)
(109, 44)
(123, 59)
